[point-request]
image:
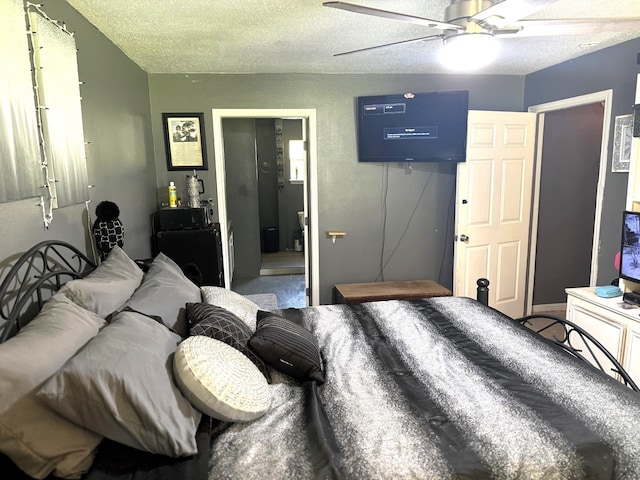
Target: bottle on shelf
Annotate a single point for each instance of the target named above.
(173, 195)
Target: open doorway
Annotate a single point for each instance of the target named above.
(568, 193)
(281, 161)
(245, 197)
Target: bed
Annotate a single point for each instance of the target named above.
(431, 388)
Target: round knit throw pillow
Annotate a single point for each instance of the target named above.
(220, 381)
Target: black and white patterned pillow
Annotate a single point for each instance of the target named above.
(108, 234)
(218, 323)
(287, 347)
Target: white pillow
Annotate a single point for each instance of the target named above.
(220, 381)
(106, 289)
(38, 440)
(237, 304)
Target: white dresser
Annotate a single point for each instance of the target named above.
(615, 327)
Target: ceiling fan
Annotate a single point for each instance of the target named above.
(470, 27)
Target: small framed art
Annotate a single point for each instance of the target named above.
(185, 141)
(623, 135)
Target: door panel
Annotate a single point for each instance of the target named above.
(512, 190)
(480, 212)
(493, 202)
(507, 279)
(477, 259)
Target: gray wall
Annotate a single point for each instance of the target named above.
(120, 159)
(611, 68)
(350, 193)
(242, 193)
(267, 174)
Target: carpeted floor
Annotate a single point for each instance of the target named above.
(288, 288)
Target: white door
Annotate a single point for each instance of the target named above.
(493, 208)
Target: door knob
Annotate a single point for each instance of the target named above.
(464, 238)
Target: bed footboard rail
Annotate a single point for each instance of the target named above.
(34, 277)
(577, 342)
(482, 291)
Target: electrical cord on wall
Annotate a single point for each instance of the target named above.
(404, 232)
(383, 206)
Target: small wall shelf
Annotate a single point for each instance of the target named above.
(335, 234)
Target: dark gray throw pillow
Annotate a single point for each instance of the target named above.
(218, 323)
(287, 347)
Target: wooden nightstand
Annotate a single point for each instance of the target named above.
(351, 293)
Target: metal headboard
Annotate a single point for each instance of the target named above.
(34, 278)
(562, 332)
(565, 334)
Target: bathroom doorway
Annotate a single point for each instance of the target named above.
(230, 198)
(280, 159)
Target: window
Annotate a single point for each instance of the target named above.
(297, 160)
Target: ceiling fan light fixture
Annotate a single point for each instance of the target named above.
(468, 51)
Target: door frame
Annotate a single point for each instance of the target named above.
(310, 186)
(605, 96)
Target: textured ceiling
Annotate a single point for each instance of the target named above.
(301, 36)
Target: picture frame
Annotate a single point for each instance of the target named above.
(185, 141)
(622, 139)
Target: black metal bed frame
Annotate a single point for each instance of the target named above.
(569, 331)
(35, 276)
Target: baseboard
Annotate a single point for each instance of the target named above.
(548, 307)
(282, 271)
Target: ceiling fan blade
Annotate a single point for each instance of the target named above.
(572, 26)
(401, 42)
(508, 12)
(350, 7)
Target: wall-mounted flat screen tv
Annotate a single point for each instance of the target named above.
(413, 127)
(630, 247)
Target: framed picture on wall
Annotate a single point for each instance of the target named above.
(184, 141)
(622, 143)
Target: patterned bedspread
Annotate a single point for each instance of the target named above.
(440, 388)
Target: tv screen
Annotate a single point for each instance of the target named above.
(630, 247)
(413, 127)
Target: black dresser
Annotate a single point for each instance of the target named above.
(188, 237)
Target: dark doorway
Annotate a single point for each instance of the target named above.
(568, 189)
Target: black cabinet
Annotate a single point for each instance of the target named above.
(198, 252)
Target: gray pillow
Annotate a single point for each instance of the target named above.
(37, 439)
(121, 385)
(106, 289)
(164, 292)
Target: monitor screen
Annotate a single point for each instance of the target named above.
(413, 127)
(630, 247)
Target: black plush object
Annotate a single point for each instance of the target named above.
(287, 347)
(108, 230)
(221, 324)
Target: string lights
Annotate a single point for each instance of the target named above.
(48, 201)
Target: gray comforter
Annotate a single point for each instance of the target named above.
(440, 388)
